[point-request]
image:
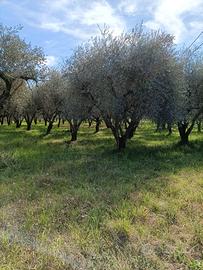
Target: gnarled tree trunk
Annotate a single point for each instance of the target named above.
(122, 133)
(184, 135)
(185, 129)
(74, 126)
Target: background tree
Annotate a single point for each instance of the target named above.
(190, 105)
(76, 106)
(30, 108)
(50, 97)
(15, 105)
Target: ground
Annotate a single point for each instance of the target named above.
(86, 206)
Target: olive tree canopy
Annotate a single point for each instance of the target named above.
(122, 75)
(18, 60)
(190, 104)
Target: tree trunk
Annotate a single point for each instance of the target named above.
(121, 143)
(89, 123)
(35, 121)
(74, 133)
(29, 125)
(74, 127)
(59, 122)
(2, 120)
(8, 120)
(169, 127)
(98, 122)
(184, 139)
(184, 135)
(199, 126)
(122, 135)
(18, 123)
(131, 133)
(45, 122)
(49, 128)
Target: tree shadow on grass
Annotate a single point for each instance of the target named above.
(94, 161)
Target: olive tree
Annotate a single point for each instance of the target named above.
(14, 106)
(30, 108)
(50, 98)
(76, 106)
(118, 75)
(163, 106)
(190, 105)
(18, 60)
(96, 117)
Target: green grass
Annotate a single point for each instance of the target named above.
(86, 206)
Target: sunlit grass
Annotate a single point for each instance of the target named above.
(86, 206)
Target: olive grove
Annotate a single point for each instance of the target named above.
(120, 80)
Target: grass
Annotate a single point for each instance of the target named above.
(85, 206)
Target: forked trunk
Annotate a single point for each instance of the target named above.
(74, 127)
(18, 123)
(184, 135)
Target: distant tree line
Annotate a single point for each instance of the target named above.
(119, 80)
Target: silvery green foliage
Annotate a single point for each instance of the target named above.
(75, 106)
(190, 100)
(30, 108)
(121, 75)
(194, 79)
(18, 60)
(15, 105)
(50, 95)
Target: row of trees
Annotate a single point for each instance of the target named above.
(119, 80)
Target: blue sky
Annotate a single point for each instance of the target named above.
(59, 25)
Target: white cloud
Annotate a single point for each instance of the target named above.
(99, 13)
(168, 14)
(76, 18)
(80, 19)
(51, 60)
(128, 7)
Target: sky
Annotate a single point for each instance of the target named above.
(60, 25)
